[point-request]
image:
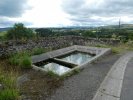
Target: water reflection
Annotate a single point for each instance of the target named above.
(56, 68)
(77, 58)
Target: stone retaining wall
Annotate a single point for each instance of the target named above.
(52, 42)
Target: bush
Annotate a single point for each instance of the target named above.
(25, 62)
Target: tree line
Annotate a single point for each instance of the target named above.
(19, 32)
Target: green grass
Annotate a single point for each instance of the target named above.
(123, 47)
(37, 51)
(8, 81)
(22, 60)
(25, 62)
(9, 94)
(3, 33)
(51, 73)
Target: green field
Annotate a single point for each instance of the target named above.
(2, 33)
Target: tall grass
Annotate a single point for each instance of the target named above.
(25, 62)
(9, 90)
(37, 51)
(123, 47)
(22, 60)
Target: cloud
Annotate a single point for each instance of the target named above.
(97, 12)
(5, 22)
(13, 8)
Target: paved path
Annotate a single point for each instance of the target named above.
(85, 84)
(127, 87)
(110, 88)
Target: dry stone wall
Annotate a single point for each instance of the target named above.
(8, 47)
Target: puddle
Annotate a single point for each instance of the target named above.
(77, 57)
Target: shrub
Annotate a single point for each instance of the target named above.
(25, 62)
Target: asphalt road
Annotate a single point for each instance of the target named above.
(127, 89)
(84, 85)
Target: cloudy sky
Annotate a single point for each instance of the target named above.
(58, 13)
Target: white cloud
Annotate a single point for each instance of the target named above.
(50, 13)
(46, 13)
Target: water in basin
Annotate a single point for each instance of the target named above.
(77, 57)
(54, 67)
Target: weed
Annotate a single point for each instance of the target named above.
(25, 62)
(8, 81)
(37, 51)
(9, 94)
(53, 74)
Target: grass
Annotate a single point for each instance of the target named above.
(2, 36)
(123, 47)
(37, 51)
(3, 33)
(52, 74)
(22, 60)
(8, 81)
(9, 94)
(25, 62)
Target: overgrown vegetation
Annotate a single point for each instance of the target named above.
(25, 62)
(52, 74)
(37, 51)
(21, 59)
(8, 90)
(123, 47)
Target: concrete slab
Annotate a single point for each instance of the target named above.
(99, 52)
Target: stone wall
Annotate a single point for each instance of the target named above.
(7, 47)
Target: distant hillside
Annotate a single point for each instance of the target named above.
(125, 26)
(4, 29)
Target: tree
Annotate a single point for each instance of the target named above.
(19, 31)
(89, 34)
(43, 32)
